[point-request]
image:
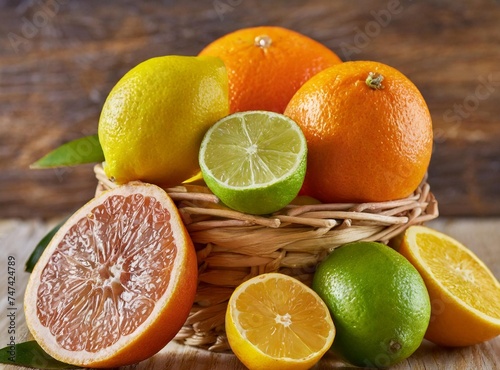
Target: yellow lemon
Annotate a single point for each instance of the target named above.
(154, 119)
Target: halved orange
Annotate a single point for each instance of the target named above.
(117, 281)
(465, 295)
(274, 321)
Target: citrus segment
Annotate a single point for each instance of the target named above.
(368, 131)
(274, 321)
(154, 118)
(378, 301)
(116, 282)
(266, 65)
(254, 161)
(465, 295)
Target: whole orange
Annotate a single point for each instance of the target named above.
(368, 130)
(267, 65)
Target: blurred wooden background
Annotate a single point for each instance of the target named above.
(60, 58)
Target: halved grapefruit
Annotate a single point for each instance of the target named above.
(117, 281)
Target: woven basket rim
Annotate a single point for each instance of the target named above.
(421, 206)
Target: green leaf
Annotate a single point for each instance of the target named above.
(30, 354)
(86, 149)
(40, 247)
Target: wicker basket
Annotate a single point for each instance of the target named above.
(233, 247)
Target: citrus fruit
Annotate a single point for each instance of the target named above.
(153, 120)
(117, 281)
(274, 321)
(368, 130)
(465, 295)
(378, 302)
(254, 161)
(266, 65)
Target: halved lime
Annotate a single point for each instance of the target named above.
(254, 161)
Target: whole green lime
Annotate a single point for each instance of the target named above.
(378, 301)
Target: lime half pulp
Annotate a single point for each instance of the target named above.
(254, 161)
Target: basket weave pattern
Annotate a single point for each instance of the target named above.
(233, 247)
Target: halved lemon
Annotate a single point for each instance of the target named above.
(117, 281)
(465, 295)
(274, 321)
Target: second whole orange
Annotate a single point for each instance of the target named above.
(267, 65)
(368, 131)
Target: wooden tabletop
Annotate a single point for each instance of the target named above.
(59, 60)
(17, 238)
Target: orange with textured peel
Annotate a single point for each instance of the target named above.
(266, 65)
(368, 131)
